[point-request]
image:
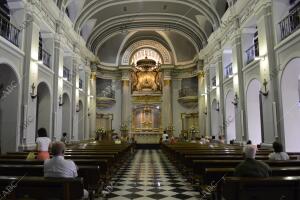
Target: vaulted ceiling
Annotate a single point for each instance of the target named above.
(111, 26)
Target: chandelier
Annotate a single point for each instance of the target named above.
(147, 65)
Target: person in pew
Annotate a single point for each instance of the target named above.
(221, 139)
(202, 140)
(249, 142)
(278, 153)
(43, 144)
(58, 167)
(165, 137)
(251, 167)
(214, 140)
(64, 138)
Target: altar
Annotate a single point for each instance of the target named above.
(147, 137)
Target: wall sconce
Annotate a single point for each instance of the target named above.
(32, 93)
(265, 92)
(235, 100)
(60, 101)
(205, 111)
(218, 107)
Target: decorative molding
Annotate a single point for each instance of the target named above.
(166, 57)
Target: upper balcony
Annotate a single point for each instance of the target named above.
(106, 98)
(228, 71)
(45, 57)
(80, 84)
(251, 53)
(290, 23)
(9, 31)
(188, 97)
(67, 74)
(214, 81)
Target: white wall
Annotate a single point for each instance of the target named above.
(290, 103)
(253, 112)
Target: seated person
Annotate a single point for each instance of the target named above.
(251, 167)
(249, 142)
(43, 144)
(214, 140)
(221, 139)
(58, 167)
(165, 137)
(278, 153)
(64, 138)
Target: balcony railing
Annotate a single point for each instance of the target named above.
(45, 57)
(9, 31)
(66, 74)
(214, 81)
(80, 84)
(250, 54)
(108, 94)
(185, 92)
(290, 23)
(228, 70)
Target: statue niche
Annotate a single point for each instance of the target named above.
(146, 76)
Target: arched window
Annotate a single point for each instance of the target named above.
(146, 52)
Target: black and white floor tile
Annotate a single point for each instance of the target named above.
(151, 176)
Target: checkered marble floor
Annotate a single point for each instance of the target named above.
(151, 176)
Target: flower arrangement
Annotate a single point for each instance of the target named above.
(100, 131)
(123, 127)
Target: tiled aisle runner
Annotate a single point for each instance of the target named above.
(151, 176)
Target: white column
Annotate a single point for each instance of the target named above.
(30, 78)
(93, 101)
(268, 71)
(126, 99)
(167, 114)
(201, 102)
(75, 93)
(57, 85)
(87, 105)
(238, 83)
(220, 93)
(207, 103)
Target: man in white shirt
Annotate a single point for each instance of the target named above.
(165, 137)
(58, 166)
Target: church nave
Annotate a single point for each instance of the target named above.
(150, 175)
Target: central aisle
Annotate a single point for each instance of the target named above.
(151, 176)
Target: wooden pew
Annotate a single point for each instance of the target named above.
(41, 188)
(215, 174)
(281, 188)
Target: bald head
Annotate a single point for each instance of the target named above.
(250, 151)
(58, 149)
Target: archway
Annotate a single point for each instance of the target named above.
(290, 83)
(80, 121)
(253, 112)
(229, 122)
(9, 108)
(43, 108)
(215, 130)
(66, 116)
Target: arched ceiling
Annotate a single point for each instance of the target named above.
(111, 26)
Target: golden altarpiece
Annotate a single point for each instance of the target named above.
(146, 91)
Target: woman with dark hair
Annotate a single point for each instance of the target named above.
(43, 144)
(278, 153)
